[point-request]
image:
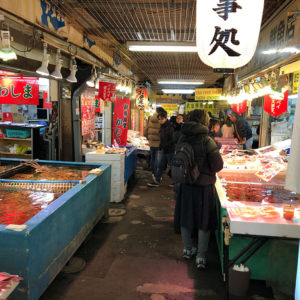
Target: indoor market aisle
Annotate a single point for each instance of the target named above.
(140, 257)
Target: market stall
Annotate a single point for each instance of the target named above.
(25, 110)
(255, 211)
(56, 207)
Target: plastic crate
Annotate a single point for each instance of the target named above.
(18, 134)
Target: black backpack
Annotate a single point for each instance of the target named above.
(183, 166)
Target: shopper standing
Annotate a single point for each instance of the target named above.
(214, 126)
(177, 131)
(151, 132)
(227, 129)
(242, 130)
(166, 147)
(196, 203)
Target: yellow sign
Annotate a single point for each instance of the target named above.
(207, 94)
(213, 108)
(295, 82)
(170, 107)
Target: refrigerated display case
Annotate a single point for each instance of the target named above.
(251, 217)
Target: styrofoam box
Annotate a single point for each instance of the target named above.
(117, 169)
(87, 150)
(118, 197)
(93, 156)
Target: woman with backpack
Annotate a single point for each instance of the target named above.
(196, 203)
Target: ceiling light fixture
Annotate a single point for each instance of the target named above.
(91, 81)
(181, 82)
(43, 69)
(6, 53)
(161, 47)
(73, 69)
(170, 91)
(57, 73)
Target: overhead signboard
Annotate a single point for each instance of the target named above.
(211, 107)
(207, 94)
(278, 36)
(170, 107)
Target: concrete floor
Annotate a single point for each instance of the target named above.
(141, 257)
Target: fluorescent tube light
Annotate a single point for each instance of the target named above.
(161, 47)
(181, 82)
(167, 91)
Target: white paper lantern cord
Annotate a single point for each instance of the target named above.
(227, 32)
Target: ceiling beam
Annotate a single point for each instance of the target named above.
(117, 5)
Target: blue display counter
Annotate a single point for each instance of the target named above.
(130, 162)
(53, 235)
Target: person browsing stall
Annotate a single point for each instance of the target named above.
(242, 130)
(196, 203)
(227, 129)
(177, 133)
(166, 147)
(214, 126)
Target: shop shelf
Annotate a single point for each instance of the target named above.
(21, 134)
(8, 153)
(15, 139)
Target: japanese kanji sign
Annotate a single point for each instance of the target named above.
(276, 107)
(212, 107)
(120, 122)
(240, 107)
(225, 7)
(296, 81)
(107, 90)
(141, 98)
(99, 105)
(88, 113)
(19, 91)
(224, 38)
(281, 32)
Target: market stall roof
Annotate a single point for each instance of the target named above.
(113, 23)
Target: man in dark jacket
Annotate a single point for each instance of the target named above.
(166, 147)
(242, 130)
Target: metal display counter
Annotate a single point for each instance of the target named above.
(54, 234)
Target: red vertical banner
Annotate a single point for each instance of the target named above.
(46, 100)
(107, 90)
(141, 98)
(240, 107)
(276, 107)
(120, 122)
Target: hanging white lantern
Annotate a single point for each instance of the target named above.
(227, 32)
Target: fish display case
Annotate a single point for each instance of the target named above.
(254, 207)
(60, 203)
(229, 145)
